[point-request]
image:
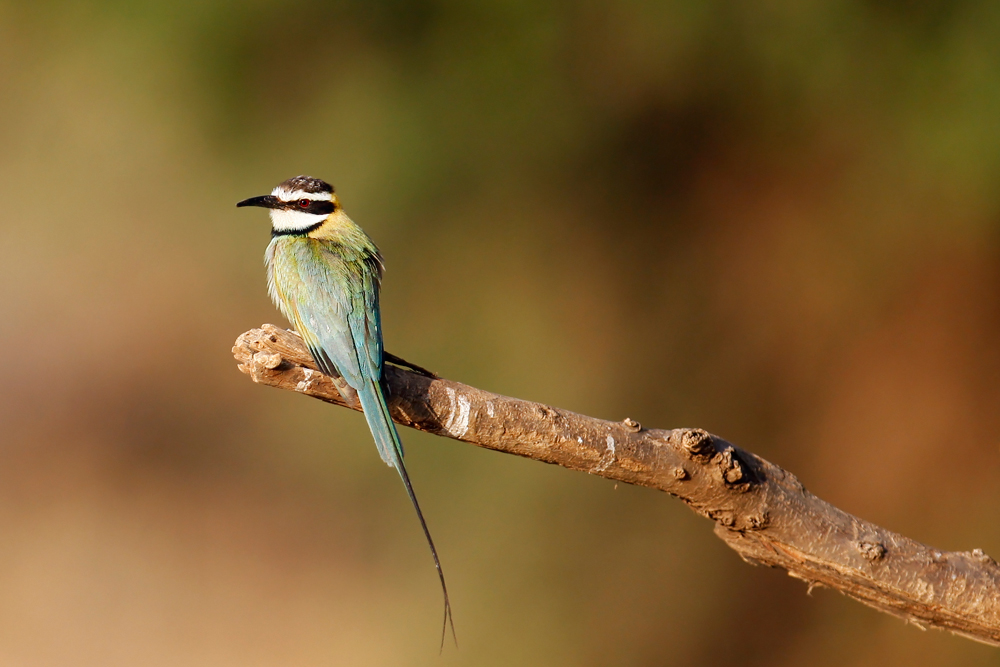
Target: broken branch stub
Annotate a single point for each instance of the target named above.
(760, 510)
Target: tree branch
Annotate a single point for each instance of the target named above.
(759, 510)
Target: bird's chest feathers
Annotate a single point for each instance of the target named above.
(302, 268)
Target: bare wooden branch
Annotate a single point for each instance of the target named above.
(759, 510)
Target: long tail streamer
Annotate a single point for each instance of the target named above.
(391, 448)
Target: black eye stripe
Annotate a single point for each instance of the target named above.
(316, 206)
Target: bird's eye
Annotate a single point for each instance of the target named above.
(304, 203)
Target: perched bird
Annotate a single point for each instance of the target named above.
(324, 273)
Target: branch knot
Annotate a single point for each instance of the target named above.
(697, 443)
(871, 551)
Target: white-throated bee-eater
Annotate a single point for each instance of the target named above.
(324, 273)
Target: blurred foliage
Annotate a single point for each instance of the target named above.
(777, 221)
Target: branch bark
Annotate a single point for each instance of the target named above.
(760, 510)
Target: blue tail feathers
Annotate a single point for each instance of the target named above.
(390, 448)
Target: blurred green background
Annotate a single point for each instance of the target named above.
(777, 221)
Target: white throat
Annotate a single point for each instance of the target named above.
(293, 221)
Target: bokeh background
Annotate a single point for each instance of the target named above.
(777, 221)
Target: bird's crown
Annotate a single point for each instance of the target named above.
(303, 187)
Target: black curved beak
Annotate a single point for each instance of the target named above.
(266, 201)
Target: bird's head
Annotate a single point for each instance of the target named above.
(298, 204)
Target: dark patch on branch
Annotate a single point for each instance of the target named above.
(760, 510)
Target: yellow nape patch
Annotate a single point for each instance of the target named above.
(336, 225)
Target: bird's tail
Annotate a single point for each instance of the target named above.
(390, 447)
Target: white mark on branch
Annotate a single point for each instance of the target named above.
(458, 420)
(305, 385)
(607, 458)
(925, 591)
(489, 409)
